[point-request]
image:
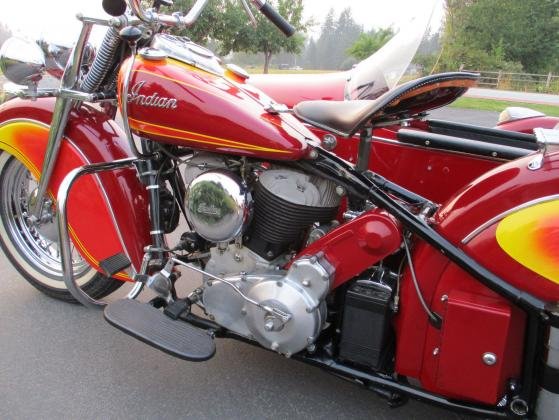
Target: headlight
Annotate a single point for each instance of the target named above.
(22, 62)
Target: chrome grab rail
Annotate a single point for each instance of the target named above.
(63, 233)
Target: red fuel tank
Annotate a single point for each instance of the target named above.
(508, 220)
(174, 102)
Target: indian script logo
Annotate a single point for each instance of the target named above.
(153, 100)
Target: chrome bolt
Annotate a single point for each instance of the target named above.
(313, 259)
(269, 254)
(519, 407)
(274, 346)
(306, 283)
(313, 154)
(269, 325)
(340, 190)
(311, 348)
(211, 317)
(436, 351)
(243, 311)
(444, 298)
(489, 358)
(238, 257)
(329, 142)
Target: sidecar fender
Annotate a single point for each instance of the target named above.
(108, 212)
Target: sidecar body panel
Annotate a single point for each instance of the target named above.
(290, 89)
(97, 204)
(507, 220)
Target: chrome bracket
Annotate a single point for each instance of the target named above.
(544, 137)
(64, 237)
(284, 317)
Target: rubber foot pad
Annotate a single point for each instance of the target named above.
(115, 264)
(150, 325)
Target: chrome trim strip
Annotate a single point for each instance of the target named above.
(504, 214)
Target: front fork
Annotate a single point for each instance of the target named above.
(60, 116)
(547, 407)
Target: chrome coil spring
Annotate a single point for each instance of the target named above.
(102, 62)
(112, 82)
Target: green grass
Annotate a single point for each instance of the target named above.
(498, 106)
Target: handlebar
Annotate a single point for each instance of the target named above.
(118, 8)
(272, 14)
(176, 19)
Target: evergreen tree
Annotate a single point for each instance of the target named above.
(501, 35)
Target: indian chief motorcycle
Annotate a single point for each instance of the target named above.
(414, 257)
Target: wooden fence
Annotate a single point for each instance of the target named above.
(522, 82)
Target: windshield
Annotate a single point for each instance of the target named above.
(383, 70)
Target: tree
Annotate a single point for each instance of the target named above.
(336, 37)
(226, 22)
(326, 41)
(310, 59)
(266, 38)
(213, 22)
(368, 43)
(501, 35)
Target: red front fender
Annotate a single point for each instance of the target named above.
(107, 213)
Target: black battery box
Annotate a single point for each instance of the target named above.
(365, 331)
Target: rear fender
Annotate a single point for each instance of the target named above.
(108, 212)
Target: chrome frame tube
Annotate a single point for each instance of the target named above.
(547, 405)
(63, 234)
(124, 107)
(60, 119)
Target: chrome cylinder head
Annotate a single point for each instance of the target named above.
(218, 205)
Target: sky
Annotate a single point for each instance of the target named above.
(54, 19)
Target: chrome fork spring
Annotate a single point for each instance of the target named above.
(102, 62)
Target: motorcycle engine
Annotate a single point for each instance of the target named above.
(256, 228)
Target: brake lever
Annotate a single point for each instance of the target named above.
(249, 13)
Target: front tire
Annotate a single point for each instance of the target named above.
(33, 249)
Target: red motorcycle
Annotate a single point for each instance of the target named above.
(419, 258)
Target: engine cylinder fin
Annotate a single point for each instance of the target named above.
(279, 221)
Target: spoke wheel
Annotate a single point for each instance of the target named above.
(33, 246)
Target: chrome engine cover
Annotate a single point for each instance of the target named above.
(218, 205)
(299, 292)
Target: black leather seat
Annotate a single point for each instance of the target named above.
(407, 100)
(340, 117)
